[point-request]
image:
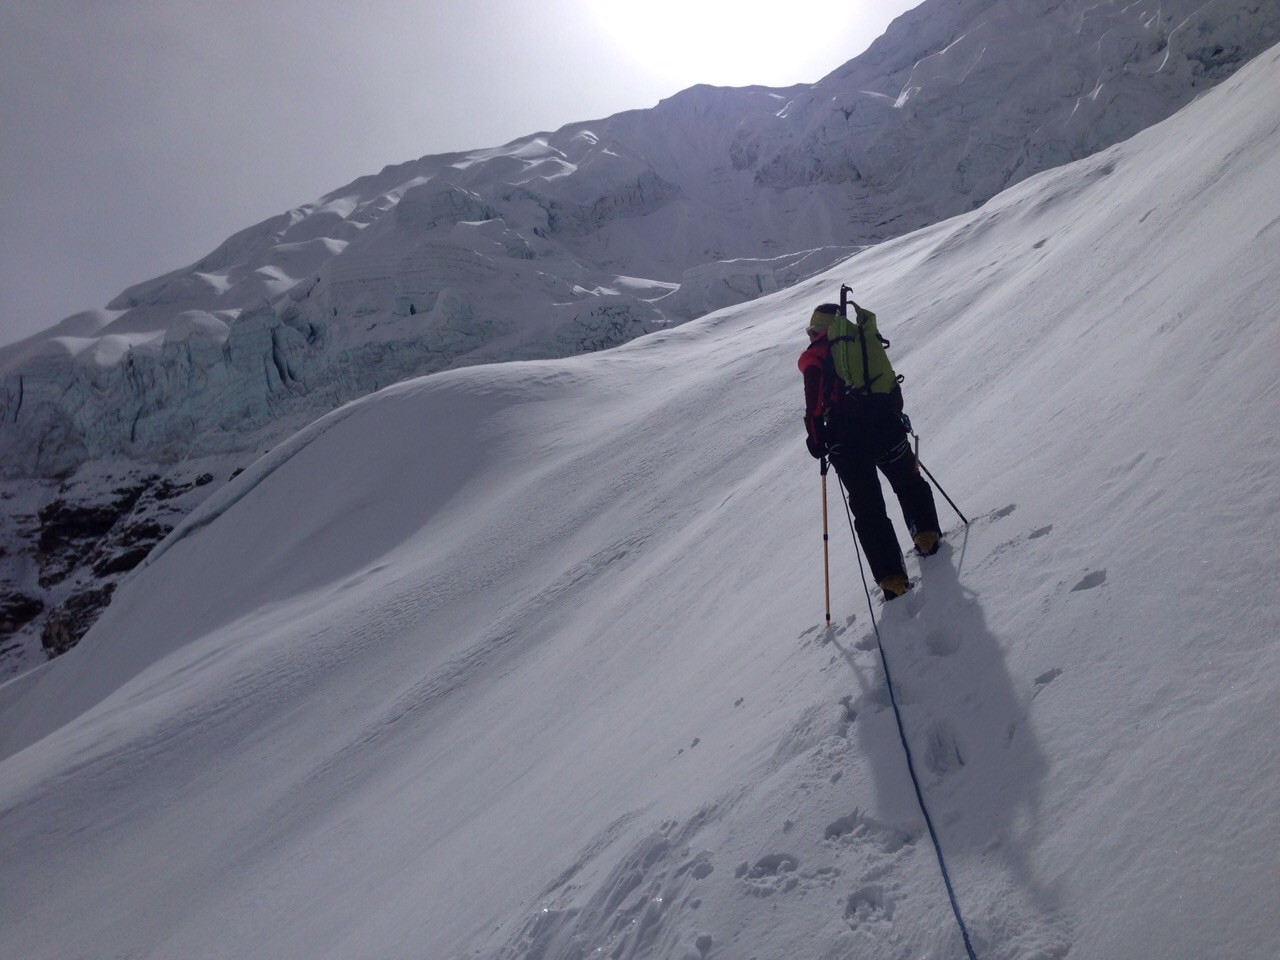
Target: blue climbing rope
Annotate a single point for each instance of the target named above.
(902, 734)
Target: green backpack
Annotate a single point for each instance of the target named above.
(858, 350)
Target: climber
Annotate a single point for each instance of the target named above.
(853, 418)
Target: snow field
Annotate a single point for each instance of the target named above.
(527, 661)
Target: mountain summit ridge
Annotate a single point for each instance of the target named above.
(585, 237)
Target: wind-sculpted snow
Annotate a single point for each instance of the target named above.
(583, 238)
(528, 661)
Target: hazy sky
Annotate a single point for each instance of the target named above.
(136, 135)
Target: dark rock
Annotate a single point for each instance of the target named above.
(62, 523)
(147, 533)
(120, 562)
(70, 533)
(17, 610)
(68, 622)
(166, 489)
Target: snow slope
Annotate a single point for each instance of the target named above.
(526, 661)
(115, 422)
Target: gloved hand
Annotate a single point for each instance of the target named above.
(815, 436)
(906, 422)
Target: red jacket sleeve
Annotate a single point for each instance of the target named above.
(812, 368)
(813, 406)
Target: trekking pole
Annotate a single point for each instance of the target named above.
(906, 422)
(826, 562)
(943, 492)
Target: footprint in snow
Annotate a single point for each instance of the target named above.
(1095, 579)
(859, 829)
(940, 644)
(943, 754)
(868, 904)
(774, 873)
(850, 711)
(1041, 682)
(913, 602)
(867, 642)
(876, 700)
(1020, 539)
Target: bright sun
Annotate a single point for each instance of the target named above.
(737, 42)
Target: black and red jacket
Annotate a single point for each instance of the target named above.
(828, 404)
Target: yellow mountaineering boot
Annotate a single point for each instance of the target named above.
(927, 542)
(894, 586)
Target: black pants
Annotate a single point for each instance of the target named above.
(866, 434)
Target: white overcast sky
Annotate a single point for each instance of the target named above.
(136, 135)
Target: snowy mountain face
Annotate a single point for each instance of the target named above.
(114, 422)
(528, 662)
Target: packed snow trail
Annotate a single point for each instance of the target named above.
(902, 733)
